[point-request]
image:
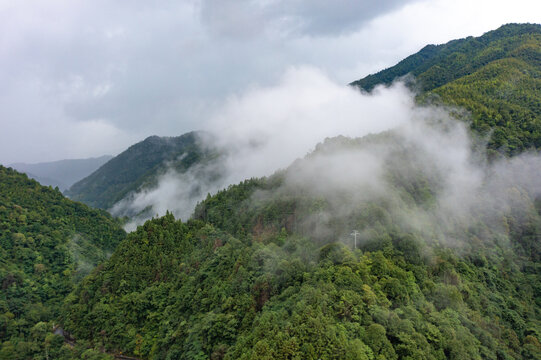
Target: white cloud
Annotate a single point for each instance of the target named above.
(148, 68)
(267, 128)
(283, 122)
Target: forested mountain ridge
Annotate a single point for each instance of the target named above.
(267, 269)
(401, 245)
(436, 65)
(136, 167)
(48, 243)
(496, 76)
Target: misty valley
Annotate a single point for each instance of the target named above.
(397, 217)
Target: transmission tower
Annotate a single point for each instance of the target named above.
(354, 234)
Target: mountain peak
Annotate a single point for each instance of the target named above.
(135, 167)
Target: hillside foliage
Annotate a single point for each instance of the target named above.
(497, 77)
(139, 166)
(408, 244)
(48, 243)
(249, 278)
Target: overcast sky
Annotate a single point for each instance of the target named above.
(87, 78)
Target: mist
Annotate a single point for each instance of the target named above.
(424, 177)
(265, 129)
(420, 162)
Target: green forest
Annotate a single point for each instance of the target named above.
(138, 166)
(48, 244)
(247, 279)
(421, 255)
(496, 77)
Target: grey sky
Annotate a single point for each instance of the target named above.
(86, 78)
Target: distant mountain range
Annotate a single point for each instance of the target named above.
(62, 173)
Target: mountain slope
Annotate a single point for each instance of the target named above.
(48, 243)
(268, 269)
(62, 173)
(497, 77)
(400, 245)
(138, 166)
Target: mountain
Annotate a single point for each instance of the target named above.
(62, 173)
(408, 244)
(267, 269)
(48, 244)
(139, 167)
(496, 76)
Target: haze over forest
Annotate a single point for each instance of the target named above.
(291, 180)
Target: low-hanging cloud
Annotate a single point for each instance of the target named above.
(266, 129)
(424, 177)
(175, 192)
(272, 128)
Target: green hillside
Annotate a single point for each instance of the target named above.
(138, 166)
(48, 243)
(406, 244)
(496, 76)
(267, 270)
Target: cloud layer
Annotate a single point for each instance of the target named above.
(105, 74)
(271, 128)
(241, 19)
(267, 128)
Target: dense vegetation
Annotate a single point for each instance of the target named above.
(252, 276)
(48, 243)
(497, 77)
(138, 166)
(445, 263)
